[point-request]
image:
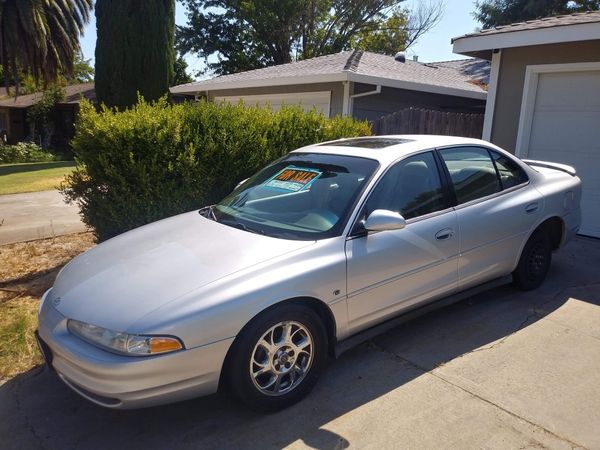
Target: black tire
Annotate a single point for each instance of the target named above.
(534, 262)
(300, 318)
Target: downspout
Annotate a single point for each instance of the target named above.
(346, 99)
(376, 91)
(490, 102)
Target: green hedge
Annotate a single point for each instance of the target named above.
(157, 160)
(23, 152)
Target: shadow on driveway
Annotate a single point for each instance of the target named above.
(32, 167)
(38, 411)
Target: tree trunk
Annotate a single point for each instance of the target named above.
(15, 72)
(4, 62)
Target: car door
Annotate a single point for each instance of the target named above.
(390, 271)
(496, 209)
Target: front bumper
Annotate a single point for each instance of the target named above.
(124, 382)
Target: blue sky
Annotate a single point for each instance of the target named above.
(434, 46)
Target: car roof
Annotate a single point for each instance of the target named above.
(389, 148)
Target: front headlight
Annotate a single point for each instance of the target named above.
(129, 344)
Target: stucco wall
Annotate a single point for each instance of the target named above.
(336, 89)
(511, 79)
(391, 100)
(372, 107)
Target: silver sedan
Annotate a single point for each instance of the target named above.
(317, 252)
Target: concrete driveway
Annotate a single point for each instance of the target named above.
(504, 369)
(36, 215)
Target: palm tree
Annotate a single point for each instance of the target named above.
(41, 37)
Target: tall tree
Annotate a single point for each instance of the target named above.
(493, 13)
(134, 50)
(40, 37)
(83, 72)
(248, 34)
(180, 72)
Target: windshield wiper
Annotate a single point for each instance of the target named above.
(241, 226)
(208, 212)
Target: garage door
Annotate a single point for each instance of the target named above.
(565, 128)
(308, 100)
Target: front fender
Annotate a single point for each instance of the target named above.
(221, 309)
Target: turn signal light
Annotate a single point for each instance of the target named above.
(164, 344)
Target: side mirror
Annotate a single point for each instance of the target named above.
(382, 220)
(240, 183)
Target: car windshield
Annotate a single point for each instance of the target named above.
(303, 196)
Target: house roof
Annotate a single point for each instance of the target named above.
(475, 68)
(357, 66)
(548, 30)
(73, 94)
(545, 22)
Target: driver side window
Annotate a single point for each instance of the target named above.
(412, 187)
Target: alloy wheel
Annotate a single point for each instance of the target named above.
(281, 358)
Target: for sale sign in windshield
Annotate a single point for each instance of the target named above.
(293, 179)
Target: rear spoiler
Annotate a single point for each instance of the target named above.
(550, 165)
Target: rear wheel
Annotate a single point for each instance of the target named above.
(534, 262)
(278, 357)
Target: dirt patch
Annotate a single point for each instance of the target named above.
(27, 269)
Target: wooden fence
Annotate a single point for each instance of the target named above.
(426, 121)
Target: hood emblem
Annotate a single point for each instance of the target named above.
(56, 301)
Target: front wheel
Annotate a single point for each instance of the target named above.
(534, 262)
(278, 357)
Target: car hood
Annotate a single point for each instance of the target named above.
(120, 280)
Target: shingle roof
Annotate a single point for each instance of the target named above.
(357, 62)
(73, 94)
(475, 68)
(322, 65)
(452, 76)
(546, 22)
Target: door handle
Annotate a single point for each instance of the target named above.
(532, 207)
(446, 233)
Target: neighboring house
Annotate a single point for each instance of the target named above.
(356, 83)
(13, 114)
(544, 95)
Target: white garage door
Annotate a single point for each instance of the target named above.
(565, 128)
(308, 100)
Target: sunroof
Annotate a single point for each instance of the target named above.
(374, 142)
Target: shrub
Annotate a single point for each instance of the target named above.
(157, 160)
(41, 115)
(23, 152)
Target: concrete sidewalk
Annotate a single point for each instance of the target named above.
(36, 215)
(504, 369)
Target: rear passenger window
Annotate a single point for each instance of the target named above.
(472, 171)
(510, 172)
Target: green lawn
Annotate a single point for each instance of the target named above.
(33, 177)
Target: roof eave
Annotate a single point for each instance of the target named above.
(479, 44)
(193, 88)
(422, 87)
